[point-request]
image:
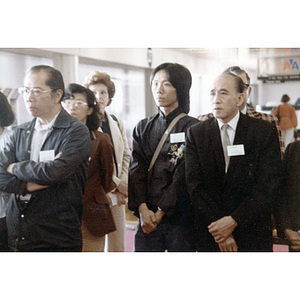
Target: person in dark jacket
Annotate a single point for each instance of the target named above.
(288, 209)
(7, 118)
(44, 165)
(232, 173)
(159, 197)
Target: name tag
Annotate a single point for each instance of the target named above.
(47, 155)
(177, 137)
(235, 150)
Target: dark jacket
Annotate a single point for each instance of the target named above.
(288, 210)
(51, 220)
(164, 186)
(245, 192)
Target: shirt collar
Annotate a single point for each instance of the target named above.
(244, 110)
(38, 126)
(232, 123)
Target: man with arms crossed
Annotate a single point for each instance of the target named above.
(44, 166)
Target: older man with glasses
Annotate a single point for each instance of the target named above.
(44, 167)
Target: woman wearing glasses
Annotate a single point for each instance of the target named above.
(104, 89)
(7, 118)
(97, 219)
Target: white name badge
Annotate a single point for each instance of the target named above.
(177, 137)
(47, 155)
(235, 150)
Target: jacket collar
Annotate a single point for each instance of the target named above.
(63, 120)
(171, 115)
(216, 144)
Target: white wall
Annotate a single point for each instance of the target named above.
(272, 92)
(12, 72)
(203, 71)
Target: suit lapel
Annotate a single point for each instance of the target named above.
(216, 146)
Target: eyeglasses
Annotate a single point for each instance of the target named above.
(37, 92)
(74, 102)
(246, 85)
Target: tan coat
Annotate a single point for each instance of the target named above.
(287, 116)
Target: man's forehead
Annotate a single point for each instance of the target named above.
(224, 82)
(39, 77)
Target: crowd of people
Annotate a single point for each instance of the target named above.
(219, 182)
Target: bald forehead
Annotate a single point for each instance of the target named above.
(225, 80)
(231, 81)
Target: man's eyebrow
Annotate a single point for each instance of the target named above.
(223, 90)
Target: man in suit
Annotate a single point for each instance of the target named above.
(245, 109)
(232, 201)
(288, 209)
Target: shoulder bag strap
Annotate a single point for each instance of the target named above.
(163, 139)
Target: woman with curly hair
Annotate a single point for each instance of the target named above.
(104, 89)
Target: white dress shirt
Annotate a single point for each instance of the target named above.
(232, 126)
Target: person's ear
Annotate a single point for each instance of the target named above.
(249, 91)
(58, 95)
(241, 99)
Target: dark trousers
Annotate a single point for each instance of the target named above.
(3, 235)
(170, 237)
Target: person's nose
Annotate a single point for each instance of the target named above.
(215, 99)
(28, 97)
(159, 89)
(98, 95)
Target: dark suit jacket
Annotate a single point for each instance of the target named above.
(245, 192)
(288, 212)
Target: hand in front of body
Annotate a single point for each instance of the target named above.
(122, 199)
(10, 168)
(229, 245)
(147, 218)
(222, 228)
(123, 188)
(293, 237)
(32, 187)
(159, 215)
(122, 193)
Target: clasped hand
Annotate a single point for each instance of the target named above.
(294, 238)
(222, 230)
(149, 219)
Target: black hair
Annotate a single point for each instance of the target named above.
(7, 116)
(285, 98)
(55, 79)
(94, 119)
(181, 79)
